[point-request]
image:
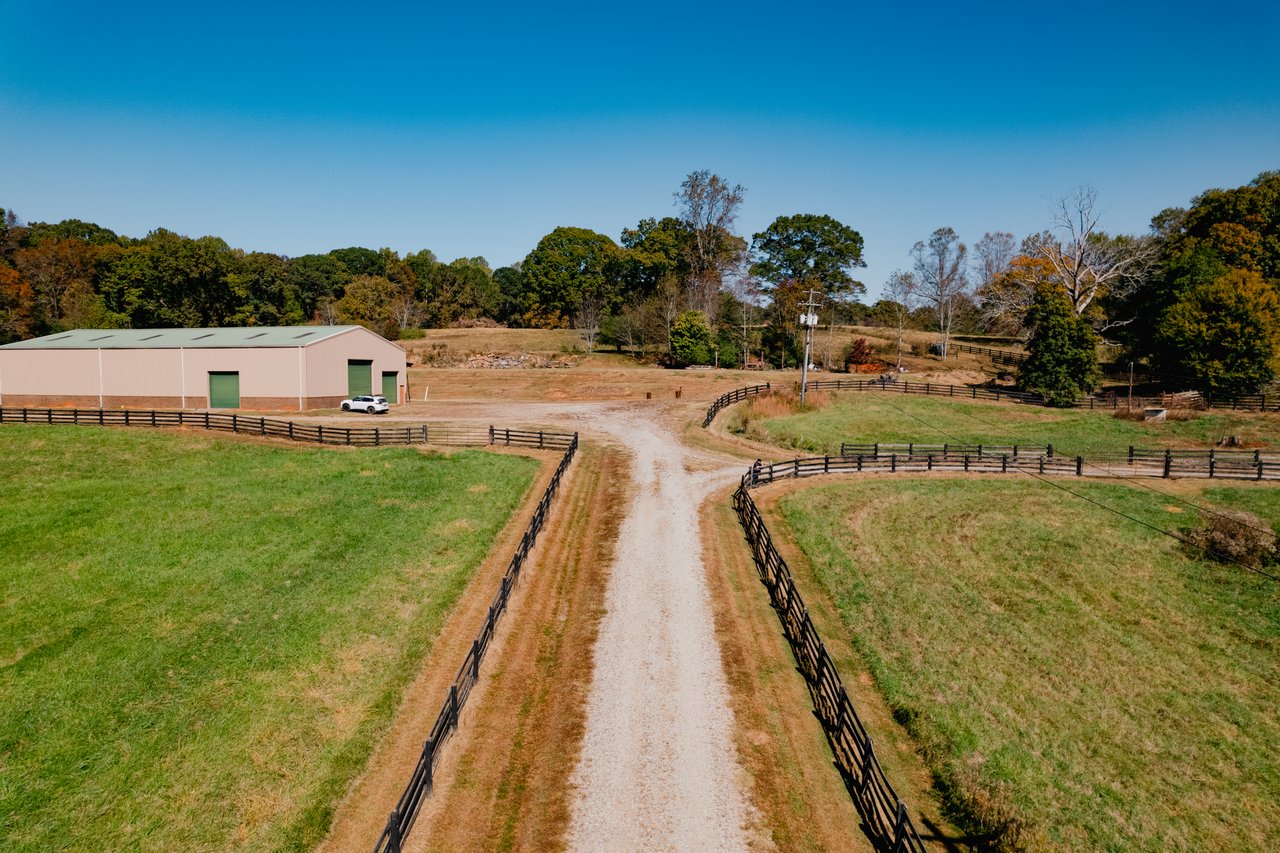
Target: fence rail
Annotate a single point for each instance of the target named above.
(887, 821)
(886, 817)
(998, 356)
(731, 398)
(1135, 463)
(314, 432)
(402, 817)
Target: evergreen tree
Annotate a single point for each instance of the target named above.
(1063, 351)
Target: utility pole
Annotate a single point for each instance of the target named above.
(808, 319)
(1131, 386)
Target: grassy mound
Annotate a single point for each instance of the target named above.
(1069, 674)
(201, 638)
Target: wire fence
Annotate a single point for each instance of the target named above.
(402, 817)
(310, 431)
(885, 814)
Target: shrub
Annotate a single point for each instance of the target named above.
(691, 341)
(412, 334)
(857, 354)
(919, 349)
(1235, 536)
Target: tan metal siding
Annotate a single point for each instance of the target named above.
(70, 372)
(326, 366)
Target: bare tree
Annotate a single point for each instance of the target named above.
(327, 311)
(1088, 263)
(588, 316)
(709, 207)
(746, 293)
(940, 273)
(407, 311)
(900, 289)
(992, 256)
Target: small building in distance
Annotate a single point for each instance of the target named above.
(254, 367)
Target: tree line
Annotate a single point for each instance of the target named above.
(1194, 300)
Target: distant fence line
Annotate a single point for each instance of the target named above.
(883, 458)
(731, 398)
(999, 356)
(420, 782)
(885, 814)
(304, 431)
(1248, 402)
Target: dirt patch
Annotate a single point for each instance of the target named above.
(794, 784)
(504, 781)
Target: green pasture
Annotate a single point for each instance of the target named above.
(1066, 672)
(884, 417)
(201, 638)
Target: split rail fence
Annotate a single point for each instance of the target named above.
(1248, 402)
(402, 817)
(887, 821)
(312, 431)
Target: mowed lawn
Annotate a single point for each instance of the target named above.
(884, 417)
(200, 638)
(1060, 666)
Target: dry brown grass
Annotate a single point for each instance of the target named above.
(505, 781)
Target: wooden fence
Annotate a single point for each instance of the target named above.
(1246, 465)
(886, 817)
(311, 431)
(731, 398)
(402, 817)
(998, 356)
(887, 822)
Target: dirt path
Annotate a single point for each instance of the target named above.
(658, 767)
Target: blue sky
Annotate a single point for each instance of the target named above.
(476, 129)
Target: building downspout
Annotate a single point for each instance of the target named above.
(100, 395)
(182, 368)
(300, 382)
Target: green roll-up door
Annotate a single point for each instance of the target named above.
(224, 390)
(359, 377)
(389, 387)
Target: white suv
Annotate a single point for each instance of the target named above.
(372, 405)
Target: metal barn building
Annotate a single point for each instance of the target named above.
(285, 367)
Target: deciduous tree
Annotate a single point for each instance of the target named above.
(1088, 263)
(709, 208)
(940, 274)
(1223, 335)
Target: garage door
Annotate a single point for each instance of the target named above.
(359, 377)
(224, 390)
(389, 387)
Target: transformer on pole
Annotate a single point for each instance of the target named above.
(808, 319)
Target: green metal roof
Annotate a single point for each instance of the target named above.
(246, 336)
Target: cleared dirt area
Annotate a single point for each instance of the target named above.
(685, 727)
(504, 781)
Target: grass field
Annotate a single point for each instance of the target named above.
(201, 638)
(869, 417)
(1062, 668)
